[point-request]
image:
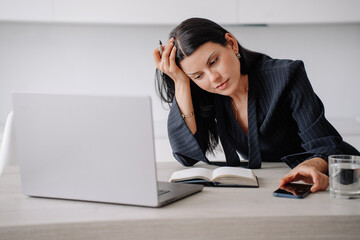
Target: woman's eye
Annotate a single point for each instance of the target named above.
(213, 61)
(198, 76)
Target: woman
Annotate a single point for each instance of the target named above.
(262, 108)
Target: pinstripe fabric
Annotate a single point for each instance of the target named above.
(184, 144)
(289, 120)
(253, 141)
(232, 159)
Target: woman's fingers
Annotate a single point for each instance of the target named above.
(321, 182)
(167, 49)
(308, 175)
(286, 179)
(166, 62)
(163, 59)
(173, 66)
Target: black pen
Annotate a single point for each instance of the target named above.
(160, 48)
(160, 52)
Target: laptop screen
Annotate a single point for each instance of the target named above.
(87, 147)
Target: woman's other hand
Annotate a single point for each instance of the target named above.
(310, 171)
(166, 62)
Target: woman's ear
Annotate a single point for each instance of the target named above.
(232, 42)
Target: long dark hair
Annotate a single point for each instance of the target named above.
(189, 36)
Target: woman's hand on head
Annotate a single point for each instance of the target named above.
(166, 63)
(309, 172)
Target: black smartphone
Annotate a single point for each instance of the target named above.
(293, 190)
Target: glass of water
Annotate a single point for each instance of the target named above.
(344, 176)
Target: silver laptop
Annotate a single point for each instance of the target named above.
(91, 148)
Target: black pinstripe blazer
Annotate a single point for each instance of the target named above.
(291, 123)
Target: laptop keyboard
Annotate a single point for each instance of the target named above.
(162, 191)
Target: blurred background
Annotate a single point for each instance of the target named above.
(105, 47)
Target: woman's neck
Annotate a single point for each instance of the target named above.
(241, 90)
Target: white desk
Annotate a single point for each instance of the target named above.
(215, 213)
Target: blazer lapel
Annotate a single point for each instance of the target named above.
(253, 135)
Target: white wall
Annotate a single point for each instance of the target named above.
(117, 59)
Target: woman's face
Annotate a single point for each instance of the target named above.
(214, 68)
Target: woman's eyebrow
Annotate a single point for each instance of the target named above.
(207, 62)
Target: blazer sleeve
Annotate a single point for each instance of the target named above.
(319, 137)
(184, 144)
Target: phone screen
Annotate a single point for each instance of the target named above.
(293, 190)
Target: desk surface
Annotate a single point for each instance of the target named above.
(226, 213)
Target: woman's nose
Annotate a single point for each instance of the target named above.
(214, 77)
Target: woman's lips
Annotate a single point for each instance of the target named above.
(223, 85)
